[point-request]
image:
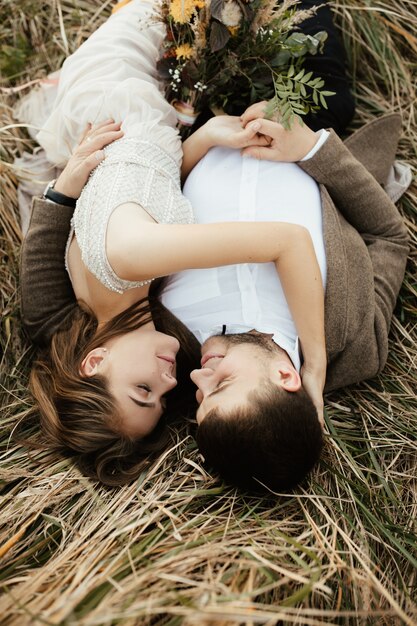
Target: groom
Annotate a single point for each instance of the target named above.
(255, 419)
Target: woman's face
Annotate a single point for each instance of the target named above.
(140, 370)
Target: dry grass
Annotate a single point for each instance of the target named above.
(177, 547)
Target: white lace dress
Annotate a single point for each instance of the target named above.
(113, 75)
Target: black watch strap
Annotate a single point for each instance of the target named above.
(59, 198)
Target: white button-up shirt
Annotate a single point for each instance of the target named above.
(224, 186)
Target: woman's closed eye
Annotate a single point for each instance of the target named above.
(145, 388)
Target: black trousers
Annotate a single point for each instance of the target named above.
(330, 66)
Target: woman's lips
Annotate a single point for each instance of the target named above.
(169, 359)
(172, 363)
(210, 355)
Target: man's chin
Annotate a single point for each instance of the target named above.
(216, 343)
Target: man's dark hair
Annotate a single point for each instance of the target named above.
(274, 439)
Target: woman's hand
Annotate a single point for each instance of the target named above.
(281, 144)
(86, 156)
(313, 382)
(229, 132)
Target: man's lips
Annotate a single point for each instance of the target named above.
(210, 355)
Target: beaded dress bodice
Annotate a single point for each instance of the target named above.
(134, 170)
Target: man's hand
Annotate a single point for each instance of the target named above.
(86, 156)
(282, 145)
(229, 132)
(313, 382)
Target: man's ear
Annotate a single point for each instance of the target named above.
(285, 376)
(91, 363)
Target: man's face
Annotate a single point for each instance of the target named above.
(231, 367)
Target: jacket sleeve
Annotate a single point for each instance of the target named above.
(45, 288)
(365, 205)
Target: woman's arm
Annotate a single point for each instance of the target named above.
(161, 249)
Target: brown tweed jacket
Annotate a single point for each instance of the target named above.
(366, 246)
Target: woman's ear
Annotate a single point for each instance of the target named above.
(92, 362)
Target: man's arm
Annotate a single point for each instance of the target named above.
(45, 288)
(366, 206)
(373, 218)
(356, 193)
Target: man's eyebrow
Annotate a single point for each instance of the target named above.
(219, 389)
(145, 404)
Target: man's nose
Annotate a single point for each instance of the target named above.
(202, 378)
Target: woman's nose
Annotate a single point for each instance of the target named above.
(169, 380)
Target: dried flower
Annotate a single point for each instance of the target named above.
(270, 10)
(199, 29)
(184, 51)
(233, 30)
(182, 10)
(231, 13)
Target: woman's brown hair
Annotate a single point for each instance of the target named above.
(78, 415)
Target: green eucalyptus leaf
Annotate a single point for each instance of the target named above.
(307, 77)
(280, 59)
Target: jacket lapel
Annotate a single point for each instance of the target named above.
(335, 303)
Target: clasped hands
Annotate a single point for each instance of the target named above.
(259, 138)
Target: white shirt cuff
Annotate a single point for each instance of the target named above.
(322, 138)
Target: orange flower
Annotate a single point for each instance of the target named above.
(184, 51)
(182, 10)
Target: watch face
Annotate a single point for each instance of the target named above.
(50, 185)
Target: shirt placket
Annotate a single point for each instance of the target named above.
(251, 313)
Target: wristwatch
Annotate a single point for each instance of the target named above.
(57, 197)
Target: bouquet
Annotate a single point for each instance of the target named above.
(227, 54)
